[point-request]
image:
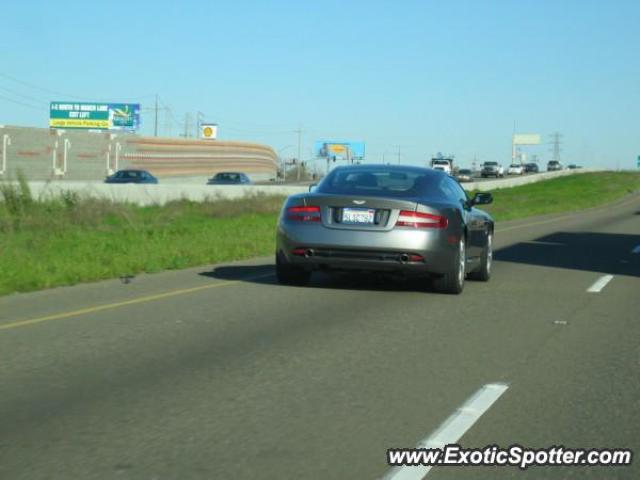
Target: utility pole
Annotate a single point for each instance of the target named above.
(187, 125)
(556, 141)
(299, 162)
(199, 117)
(155, 123)
(398, 154)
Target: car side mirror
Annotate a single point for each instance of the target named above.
(482, 198)
(312, 186)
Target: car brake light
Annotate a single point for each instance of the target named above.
(421, 220)
(304, 213)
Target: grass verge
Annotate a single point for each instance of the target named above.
(67, 240)
(563, 194)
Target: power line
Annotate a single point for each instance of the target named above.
(18, 102)
(54, 92)
(21, 95)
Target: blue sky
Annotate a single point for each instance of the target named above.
(425, 76)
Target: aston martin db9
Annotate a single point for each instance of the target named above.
(400, 219)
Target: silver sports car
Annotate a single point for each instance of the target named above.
(401, 219)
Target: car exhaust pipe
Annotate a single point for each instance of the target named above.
(308, 253)
(404, 258)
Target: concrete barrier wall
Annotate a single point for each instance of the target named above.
(45, 154)
(162, 193)
(508, 182)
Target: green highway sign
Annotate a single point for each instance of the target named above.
(101, 116)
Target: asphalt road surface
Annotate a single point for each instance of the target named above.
(219, 372)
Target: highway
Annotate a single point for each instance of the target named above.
(219, 372)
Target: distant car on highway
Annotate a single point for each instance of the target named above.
(387, 218)
(229, 178)
(131, 176)
(553, 165)
(531, 168)
(492, 169)
(464, 175)
(515, 169)
(573, 166)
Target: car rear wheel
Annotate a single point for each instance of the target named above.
(288, 274)
(483, 273)
(453, 281)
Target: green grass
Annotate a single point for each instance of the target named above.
(67, 240)
(563, 194)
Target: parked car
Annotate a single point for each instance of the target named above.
(387, 218)
(464, 175)
(553, 165)
(531, 168)
(229, 178)
(492, 169)
(131, 176)
(515, 169)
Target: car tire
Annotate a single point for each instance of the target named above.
(288, 274)
(483, 272)
(453, 281)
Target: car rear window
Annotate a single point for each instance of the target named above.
(396, 183)
(228, 177)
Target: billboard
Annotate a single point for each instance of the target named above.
(100, 116)
(209, 131)
(526, 139)
(343, 150)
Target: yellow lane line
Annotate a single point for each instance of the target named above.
(184, 291)
(110, 306)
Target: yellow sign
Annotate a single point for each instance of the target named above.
(336, 148)
(208, 131)
(78, 123)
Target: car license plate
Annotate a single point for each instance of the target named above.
(358, 215)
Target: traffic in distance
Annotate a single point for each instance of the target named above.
(488, 169)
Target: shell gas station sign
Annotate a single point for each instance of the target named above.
(208, 131)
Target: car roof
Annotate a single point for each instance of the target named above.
(391, 168)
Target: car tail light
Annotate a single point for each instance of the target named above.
(421, 220)
(304, 213)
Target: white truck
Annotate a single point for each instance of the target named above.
(443, 164)
(492, 169)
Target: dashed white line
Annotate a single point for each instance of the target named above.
(600, 284)
(453, 428)
(636, 250)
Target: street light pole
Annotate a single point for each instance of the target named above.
(299, 162)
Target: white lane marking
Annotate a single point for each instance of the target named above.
(636, 250)
(453, 428)
(600, 284)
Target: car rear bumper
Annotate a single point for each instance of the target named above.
(318, 248)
